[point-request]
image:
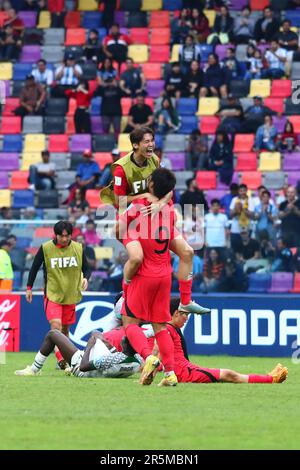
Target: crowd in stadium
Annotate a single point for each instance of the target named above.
(214, 81)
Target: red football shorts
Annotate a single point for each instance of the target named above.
(65, 313)
(148, 298)
(198, 374)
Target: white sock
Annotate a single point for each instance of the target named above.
(38, 362)
(169, 373)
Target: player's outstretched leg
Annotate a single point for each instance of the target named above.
(277, 375)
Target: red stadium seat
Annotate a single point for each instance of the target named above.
(276, 104)
(126, 104)
(58, 143)
(281, 88)
(209, 124)
(3, 17)
(43, 232)
(159, 54)
(72, 19)
(10, 105)
(93, 85)
(139, 35)
(246, 162)
(159, 19)
(93, 198)
(206, 179)
(296, 288)
(11, 125)
(103, 158)
(253, 179)
(243, 143)
(151, 71)
(259, 4)
(75, 37)
(160, 36)
(295, 120)
(19, 180)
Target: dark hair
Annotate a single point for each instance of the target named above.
(111, 64)
(115, 24)
(241, 186)
(209, 265)
(95, 31)
(62, 225)
(266, 192)
(226, 140)
(11, 235)
(163, 182)
(234, 186)
(90, 221)
(188, 182)
(137, 135)
(215, 201)
(216, 57)
(261, 187)
(174, 304)
(45, 153)
(175, 64)
(42, 60)
(85, 83)
(3, 243)
(286, 20)
(289, 123)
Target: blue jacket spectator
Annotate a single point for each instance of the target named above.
(88, 172)
(214, 80)
(266, 135)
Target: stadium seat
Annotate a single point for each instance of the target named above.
(20, 71)
(208, 106)
(6, 71)
(28, 18)
(30, 158)
(293, 177)
(44, 20)
(54, 124)
(93, 198)
(291, 107)
(276, 104)
(124, 144)
(211, 16)
(186, 106)
(281, 88)
(159, 19)
(65, 178)
(252, 179)
(11, 125)
(154, 88)
(159, 54)
(294, 17)
(246, 162)
(172, 5)
(47, 198)
(56, 107)
(75, 37)
(61, 160)
(152, 71)
(295, 120)
(43, 232)
(32, 125)
(174, 143)
(206, 50)
(291, 161)
(103, 143)
(23, 198)
(12, 143)
(30, 54)
(34, 143)
(209, 124)
(87, 5)
(181, 178)
(188, 124)
(259, 4)
(9, 161)
(91, 20)
(77, 52)
(243, 143)
(33, 36)
(96, 125)
(95, 106)
(103, 252)
(274, 180)
(3, 17)
(148, 5)
(177, 160)
(139, 53)
(17, 88)
(260, 88)
(137, 19)
(126, 104)
(139, 35)
(175, 53)
(4, 183)
(5, 198)
(10, 105)
(259, 283)
(130, 5)
(160, 36)
(296, 285)
(54, 36)
(80, 142)
(53, 53)
(270, 161)
(239, 88)
(72, 19)
(206, 179)
(58, 143)
(281, 282)
(103, 158)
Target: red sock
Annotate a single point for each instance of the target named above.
(260, 379)
(166, 349)
(138, 340)
(185, 289)
(59, 355)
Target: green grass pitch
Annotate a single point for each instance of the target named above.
(58, 412)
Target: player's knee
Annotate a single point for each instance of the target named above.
(188, 253)
(230, 376)
(53, 332)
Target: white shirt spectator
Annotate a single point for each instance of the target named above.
(273, 60)
(68, 78)
(235, 226)
(44, 78)
(45, 167)
(215, 229)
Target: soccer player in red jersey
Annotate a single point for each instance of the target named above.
(189, 372)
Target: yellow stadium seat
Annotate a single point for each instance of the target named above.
(148, 5)
(208, 106)
(139, 53)
(44, 20)
(292, 28)
(260, 88)
(6, 71)
(124, 144)
(211, 16)
(103, 252)
(5, 198)
(87, 5)
(30, 158)
(270, 161)
(35, 143)
(175, 53)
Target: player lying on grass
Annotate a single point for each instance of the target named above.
(99, 359)
(131, 176)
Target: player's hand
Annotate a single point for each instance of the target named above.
(29, 296)
(84, 284)
(153, 209)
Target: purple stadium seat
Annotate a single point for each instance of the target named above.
(80, 142)
(279, 122)
(215, 194)
(96, 123)
(291, 161)
(4, 183)
(9, 161)
(154, 88)
(235, 179)
(28, 18)
(263, 47)
(221, 50)
(30, 54)
(293, 177)
(238, 4)
(281, 282)
(259, 282)
(124, 30)
(177, 160)
(120, 18)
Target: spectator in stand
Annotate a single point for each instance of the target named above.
(140, 114)
(200, 25)
(89, 253)
(232, 115)
(276, 60)
(167, 118)
(288, 140)
(243, 27)
(15, 22)
(296, 260)
(221, 157)
(259, 197)
(108, 12)
(214, 80)
(255, 115)
(56, 8)
(115, 273)
(132, 81)
(6, 270)
(42, 74)
(233, 278)
(83, 97)
(76, 228)
(175, 82)
(283, 257)
(10, 44)
(67, 76)
(107, 72)
(282, 195)
(115, 45)
(188, 52)
(193, 195)
(227, 198)
(111, 110)
(223, 28)
(266, 135)
(216, 227)
(194, 80)
(197, 151)
(241, 212)
(17, 255)
(248, 248)
(266, 215)
(232, 68)
(32, 98)
(254, 63)
(33, 5)
(106, 176)
(213, 267)
(79, 205)
(93, 48)
(289, 214)
(88, 172)
(41, 175)
(90, 234)
(181, 26)
(267, 27)
(287, 39)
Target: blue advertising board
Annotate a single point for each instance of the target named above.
(239, 325)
